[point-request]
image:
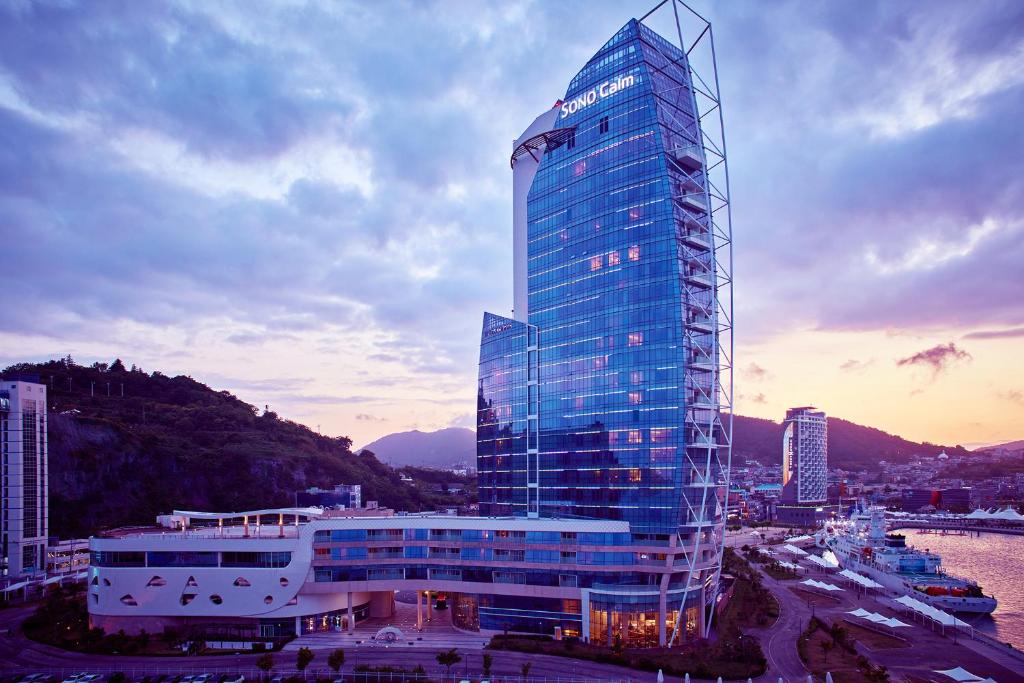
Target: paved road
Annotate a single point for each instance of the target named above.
(779, 640)
(20, 654)
(929, 650)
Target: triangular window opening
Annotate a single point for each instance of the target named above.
(242, 582)
(157, 581)
(129, 600)
(191, 583)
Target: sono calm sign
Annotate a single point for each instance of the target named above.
(606, 89)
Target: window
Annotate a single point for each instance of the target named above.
(157, 581)
(192, 583)
(268, 599)
(635, 436)
(603, 126)
(595, 262)
(181, 559)
(636, 338)
(124, 558)
(216, 599)
(634, 253)
(283, 581)
(187, 598)
(571, 142)
(636, 397)
(129, 600)
(256, 559)
(614, 259)
(242, 582)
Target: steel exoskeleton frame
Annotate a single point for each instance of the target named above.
(709, 403)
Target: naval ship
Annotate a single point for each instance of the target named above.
(861, 544)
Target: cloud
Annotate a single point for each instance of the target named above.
(1012, 395)
(854, 365)
(938, 358)
(996, 334)
(755, 373)
(758, 398)
(366, 417)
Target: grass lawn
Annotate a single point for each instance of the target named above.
(816, 599)
(872, 639)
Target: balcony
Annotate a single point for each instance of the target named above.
(700, 363)
(694, 201)
(689, 156)
(701, 323)
(697, 239)
(697, 278)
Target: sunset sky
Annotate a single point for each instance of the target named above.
(309, 204)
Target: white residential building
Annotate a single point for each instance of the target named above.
(24, 512)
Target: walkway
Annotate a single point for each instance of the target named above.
(931, 650)
(437, 634)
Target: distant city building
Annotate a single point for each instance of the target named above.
(66, 557)
(24, 513)
(342, 495)
(804, 457)
(804, 468)
(952, 500)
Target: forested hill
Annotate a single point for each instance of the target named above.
(850, 446)
(172, 442)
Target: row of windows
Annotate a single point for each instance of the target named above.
(131, 558)
(475, 535)
(485, 575)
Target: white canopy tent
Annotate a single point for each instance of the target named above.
(822, 585)
(790, 565)
(800, 539)
(933, 613)
(959, 674)
(879, 619)
(859, 580)
(820, 561)
(16, 586)
(793, 549)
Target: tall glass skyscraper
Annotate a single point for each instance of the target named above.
(604, 395)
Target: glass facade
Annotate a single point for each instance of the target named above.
(622, 294)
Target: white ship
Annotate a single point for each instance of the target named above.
(862, 545)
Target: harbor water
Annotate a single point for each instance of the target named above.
(996, 562)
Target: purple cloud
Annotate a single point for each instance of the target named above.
(853, 365)
(996, 334)
(938, 358)
(755, 372)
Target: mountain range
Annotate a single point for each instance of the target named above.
(850, 446)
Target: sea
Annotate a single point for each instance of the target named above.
(996, 562)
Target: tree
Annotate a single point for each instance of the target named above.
(336, 659)
(265, 662)
(525, 669)
(117, 366)
(488, 661)
(303, 658)
(826, 646)
(448, 659)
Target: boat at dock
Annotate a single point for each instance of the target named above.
(862, 544)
